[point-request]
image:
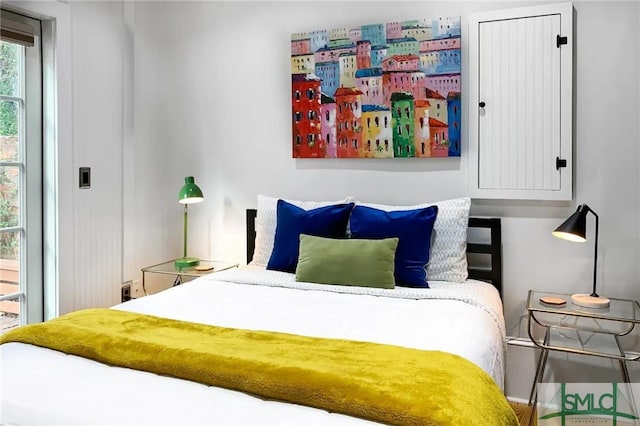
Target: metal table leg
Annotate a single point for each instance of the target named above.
(144, 288)
(542, 363)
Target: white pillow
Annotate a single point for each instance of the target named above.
(266, 221)
(448, 257)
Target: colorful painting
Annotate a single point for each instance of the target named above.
(377, 91)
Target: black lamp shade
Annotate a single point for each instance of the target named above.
(575, 227)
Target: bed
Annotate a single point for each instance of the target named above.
(45, 386)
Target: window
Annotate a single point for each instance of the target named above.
(311, 94)
(377, 121)
(298, 116)
(21, 298)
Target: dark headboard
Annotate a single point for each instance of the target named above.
(493, 248)
(491, 273)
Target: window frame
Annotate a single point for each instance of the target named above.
(30, 164)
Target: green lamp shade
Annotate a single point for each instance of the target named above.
(190, 193)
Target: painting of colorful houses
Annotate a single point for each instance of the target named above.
(377, 91)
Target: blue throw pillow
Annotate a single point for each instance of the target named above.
(329, 222)
(412, 227)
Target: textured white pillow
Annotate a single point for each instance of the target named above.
(266, 221)
(448, 257)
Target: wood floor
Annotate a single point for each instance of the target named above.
(524, 412)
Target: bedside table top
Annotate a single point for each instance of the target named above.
(624, 310)
(191, 271)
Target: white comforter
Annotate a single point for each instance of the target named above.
(41, 386)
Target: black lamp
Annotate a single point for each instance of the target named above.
(575, 229)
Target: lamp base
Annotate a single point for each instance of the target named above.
(185, 262)
(589, 301)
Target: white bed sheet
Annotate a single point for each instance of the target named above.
(41, 386)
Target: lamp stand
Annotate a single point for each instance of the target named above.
(592, 300)
(184, 261)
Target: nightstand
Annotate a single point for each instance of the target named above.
(169, 268)
(579, 330)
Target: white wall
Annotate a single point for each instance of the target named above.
(212, 100)
(98, 44)
(84, 228)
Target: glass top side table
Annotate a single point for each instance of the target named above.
(169, 268)
(623, 310)
(585, 331)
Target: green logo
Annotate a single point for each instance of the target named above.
(585, 402)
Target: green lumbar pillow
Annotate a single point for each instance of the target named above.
(356, 262)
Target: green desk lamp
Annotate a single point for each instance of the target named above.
(189, 194)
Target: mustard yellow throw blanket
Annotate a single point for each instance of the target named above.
(384, 383)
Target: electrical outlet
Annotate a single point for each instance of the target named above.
(136, 289)
(125, 291)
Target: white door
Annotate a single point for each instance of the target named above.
(21, 282)
(519, 124)
(520, 103)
